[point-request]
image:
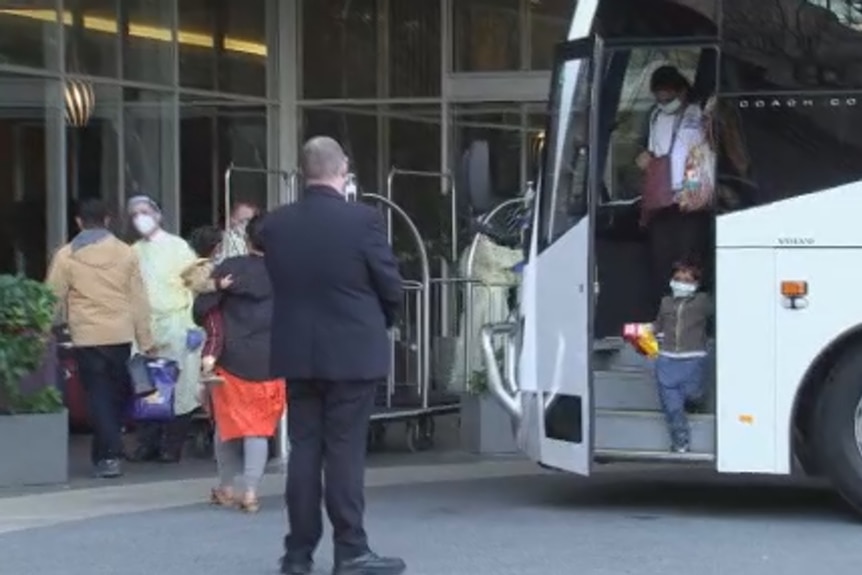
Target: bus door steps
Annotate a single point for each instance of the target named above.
(646, 431)
(635, 389)
(625, 389)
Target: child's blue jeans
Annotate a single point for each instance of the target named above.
(680, 381)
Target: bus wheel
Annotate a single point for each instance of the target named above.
(838, 429)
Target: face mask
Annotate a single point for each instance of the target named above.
(145, 224)
(350, 188)
(682, 289)
(671, 107)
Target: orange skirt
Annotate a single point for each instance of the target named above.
(247, 408)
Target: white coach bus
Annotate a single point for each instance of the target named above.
(786, 387)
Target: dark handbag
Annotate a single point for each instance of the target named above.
(657, 186)
(657, 192)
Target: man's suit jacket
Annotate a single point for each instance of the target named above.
(336, 289)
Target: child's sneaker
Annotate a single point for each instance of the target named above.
(680, 446)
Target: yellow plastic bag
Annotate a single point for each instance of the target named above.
(641, 337)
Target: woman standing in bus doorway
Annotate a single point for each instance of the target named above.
(248, 402)
(675, 231)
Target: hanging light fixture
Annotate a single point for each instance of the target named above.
(80, 102)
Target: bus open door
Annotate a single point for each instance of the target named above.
(553, 397)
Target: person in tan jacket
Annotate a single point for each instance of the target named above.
(97, 280)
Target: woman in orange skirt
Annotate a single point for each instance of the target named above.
(246, 402)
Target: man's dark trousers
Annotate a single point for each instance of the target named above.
(328, 430)
(105, 380)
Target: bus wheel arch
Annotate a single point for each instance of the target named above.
(815, 381)
(828, 413)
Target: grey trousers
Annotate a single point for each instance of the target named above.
(241, 462)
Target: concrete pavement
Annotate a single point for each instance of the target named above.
(446, 513)
(473, 518)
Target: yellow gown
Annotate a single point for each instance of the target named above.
(163, 260)
(492, 269)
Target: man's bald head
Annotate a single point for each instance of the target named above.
(324, 162)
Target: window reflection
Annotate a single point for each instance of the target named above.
(564, 188)
(150, 121)
(148, 40)
(487, 35)
(88, 49)
(197, 62)
(661, 18)
(414, 144)
(92, 154)
(775, 152)
(339, 48)
(549, 25)
(792, 45)
(29, 36)
(25, 183)
(500, 125)
(414, 48)
(238, 71)
(105, 26)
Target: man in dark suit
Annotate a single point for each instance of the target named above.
(337, 290)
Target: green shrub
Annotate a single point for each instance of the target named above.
(478, 382)
(27, 309)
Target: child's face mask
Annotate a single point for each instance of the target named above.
(682, 288)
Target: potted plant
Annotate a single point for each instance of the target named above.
(32, 413)
(486, 428)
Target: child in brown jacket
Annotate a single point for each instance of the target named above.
(682, 326)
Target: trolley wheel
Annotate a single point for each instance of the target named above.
(420, 434)
(376, 436)
(837, 428)
(202, 443)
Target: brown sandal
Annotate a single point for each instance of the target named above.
(249, 504)
(222, 498)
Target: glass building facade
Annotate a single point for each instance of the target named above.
(114, 98)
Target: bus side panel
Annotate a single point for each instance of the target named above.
(832, 307)
(746, 306)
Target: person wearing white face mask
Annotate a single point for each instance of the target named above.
(680, 368)
(163, 257)
(674, 229)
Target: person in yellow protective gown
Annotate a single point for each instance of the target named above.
(492, 272)
(163, 257)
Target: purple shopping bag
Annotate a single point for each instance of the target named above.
(158, 405)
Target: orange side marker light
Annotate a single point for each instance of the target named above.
(794, 288)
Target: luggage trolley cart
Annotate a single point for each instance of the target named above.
(403, 400)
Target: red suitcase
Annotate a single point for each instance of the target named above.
(73, 393)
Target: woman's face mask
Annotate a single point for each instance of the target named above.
(145, 224)
(682, 288)
(671, 107)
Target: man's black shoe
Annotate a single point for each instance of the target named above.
(296, 567)
(370, 564)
